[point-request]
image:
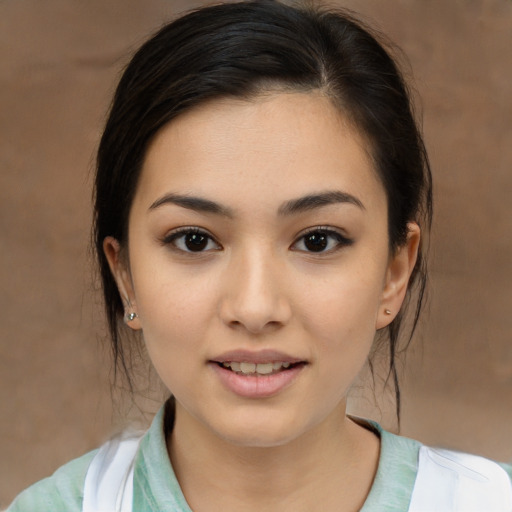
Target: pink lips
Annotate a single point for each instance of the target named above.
(257, 386)
(263, 356)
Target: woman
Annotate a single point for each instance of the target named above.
(261, 193)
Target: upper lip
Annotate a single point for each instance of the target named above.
(261, 356)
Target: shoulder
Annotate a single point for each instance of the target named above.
(61, 492)
(421, 458)
(507, 468)
(417, 478)
(471, 482)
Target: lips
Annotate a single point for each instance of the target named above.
(257, 374)
(260, 357)
(248, 368)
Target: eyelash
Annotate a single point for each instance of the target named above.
(172, 238)
(326, 232)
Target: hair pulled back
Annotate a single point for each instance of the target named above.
(239, 50)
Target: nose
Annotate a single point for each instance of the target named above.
(254, 297)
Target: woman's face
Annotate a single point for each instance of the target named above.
(259, 264)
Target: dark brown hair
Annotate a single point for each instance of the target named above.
(239, 50)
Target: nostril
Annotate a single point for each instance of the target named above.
(254, 311)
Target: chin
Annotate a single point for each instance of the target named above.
(259, 439)
(261, 432)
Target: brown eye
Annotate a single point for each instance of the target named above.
(195, 241)
(321, 240)
(191, 240)
(316, 242)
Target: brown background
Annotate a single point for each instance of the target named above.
(59, 63)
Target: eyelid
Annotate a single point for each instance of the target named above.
(325, 229)
(336, 233)
(174, 234)
(343, 239)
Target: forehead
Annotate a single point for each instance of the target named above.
(274, 146)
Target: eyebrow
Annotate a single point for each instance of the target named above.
(294, 206)
(197, 204)
(313, 201)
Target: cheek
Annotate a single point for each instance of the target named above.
(166, 293)
(172, 334)
(344, 308)
(340, 315)
(175, 310)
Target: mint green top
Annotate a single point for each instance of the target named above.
(157, 489)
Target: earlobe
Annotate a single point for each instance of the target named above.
(121, 274)
(400, 268)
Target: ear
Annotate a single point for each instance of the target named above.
(400, 267)
(119, 268)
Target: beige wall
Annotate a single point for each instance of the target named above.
(60, 60)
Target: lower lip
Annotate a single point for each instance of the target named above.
(261, 386)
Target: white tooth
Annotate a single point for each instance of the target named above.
(226, 365)
(277, 366)
(246, 367)
(235, 366)
(264, 368)
(286, 365)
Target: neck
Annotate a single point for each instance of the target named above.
(333, 464)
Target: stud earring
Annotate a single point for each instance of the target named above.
(387, 311)
(130, 317)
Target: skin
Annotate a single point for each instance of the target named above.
(257, 286)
